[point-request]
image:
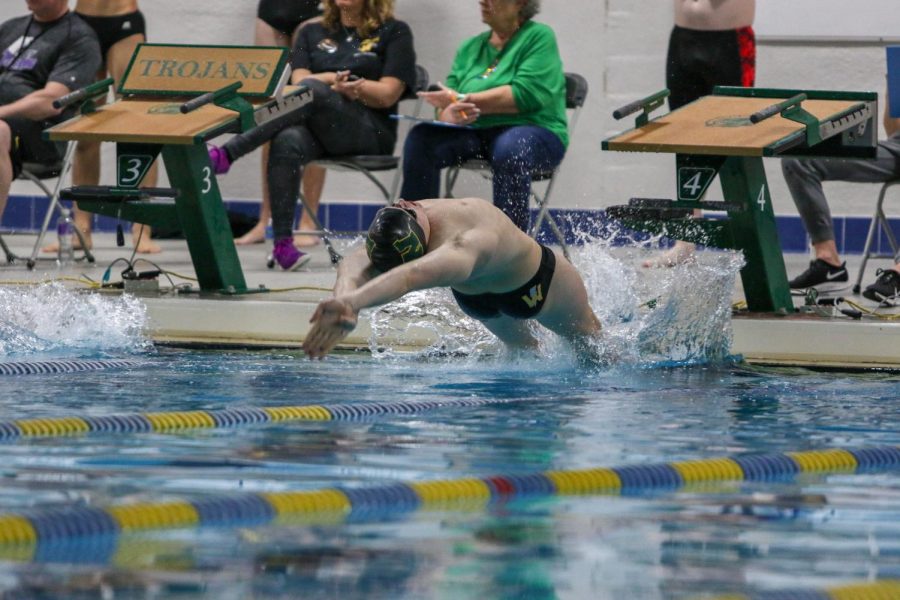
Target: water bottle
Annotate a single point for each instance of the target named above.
(65, 254)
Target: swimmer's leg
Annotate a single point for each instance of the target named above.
(567, 312)
(512, 332)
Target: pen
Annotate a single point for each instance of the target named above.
(457, 97)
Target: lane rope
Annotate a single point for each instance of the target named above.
(73, 365)
(43, 528)
(163, 422)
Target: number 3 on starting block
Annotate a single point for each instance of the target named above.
(132, 168)
(133, 162)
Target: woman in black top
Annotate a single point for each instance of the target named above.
(277, 24)
(359, 62)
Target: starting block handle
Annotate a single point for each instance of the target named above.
(210, 97)
(98, 88)
(775, 109)
(106, 192)
(648, 105)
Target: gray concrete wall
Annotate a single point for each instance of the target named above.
(619, 45)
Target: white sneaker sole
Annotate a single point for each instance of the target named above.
(301, 262)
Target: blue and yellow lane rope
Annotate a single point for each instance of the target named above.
(887, 589)
(162, 422)
(71, 365)
(51, 526)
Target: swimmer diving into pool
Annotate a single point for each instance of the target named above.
(497, 273)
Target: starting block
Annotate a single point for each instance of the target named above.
(174, 99)
(727, 134)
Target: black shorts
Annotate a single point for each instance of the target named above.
(29, 145)
(285, 15)
(111, 30)
(523, 303)
(700, 60)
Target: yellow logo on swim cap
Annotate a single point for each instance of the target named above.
(409, 247)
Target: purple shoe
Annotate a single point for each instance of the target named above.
(287, 256)
(219, 159)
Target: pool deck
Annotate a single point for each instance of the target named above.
(280, 317)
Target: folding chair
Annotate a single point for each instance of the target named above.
(576, 94)
(878, 220)
(37, 173)
(369, 164)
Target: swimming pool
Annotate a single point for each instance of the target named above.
(482, 415)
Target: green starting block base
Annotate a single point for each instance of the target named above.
(194, 205)
(749, 225)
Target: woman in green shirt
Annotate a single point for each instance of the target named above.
(504, 101)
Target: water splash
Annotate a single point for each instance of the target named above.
(430, 315)
(678, 315)
(51, 319)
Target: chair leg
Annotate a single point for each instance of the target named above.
(559, 236)
(450, 181)
(333, 254)
(867, 251)
(879, 220)
(54, 204)
(9, 254)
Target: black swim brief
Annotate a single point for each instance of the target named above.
(285, 15)
(111, 30)
(523, 303)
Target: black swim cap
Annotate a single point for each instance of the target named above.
(394, 238)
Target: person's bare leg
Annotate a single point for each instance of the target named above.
(140, 233)
(681, 252)
(313, 183)
(85, 171)
(118, 59)
(264, 35)
(566, 310)
(257, 234)
(6, 170)
(515, 333)
(827, 251)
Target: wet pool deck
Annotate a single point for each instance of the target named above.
(280, 317)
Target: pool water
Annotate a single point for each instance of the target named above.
(668, 392)
(825, 530)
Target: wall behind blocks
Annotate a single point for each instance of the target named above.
(619, 45)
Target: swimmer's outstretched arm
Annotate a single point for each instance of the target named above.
(335, 318)
(354, 271)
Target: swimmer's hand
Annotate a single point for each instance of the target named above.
(333, 320)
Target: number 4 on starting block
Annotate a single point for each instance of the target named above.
(695, 174)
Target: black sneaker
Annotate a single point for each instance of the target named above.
(886, 287)
(821, 276)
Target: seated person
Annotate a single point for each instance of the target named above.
(120, 27)
(497, 273)
(46, 55)
(508, 85)
(358, 61)
(804, 179)
(277, 24)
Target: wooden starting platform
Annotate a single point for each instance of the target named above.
(727, 135)
(173, 99)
